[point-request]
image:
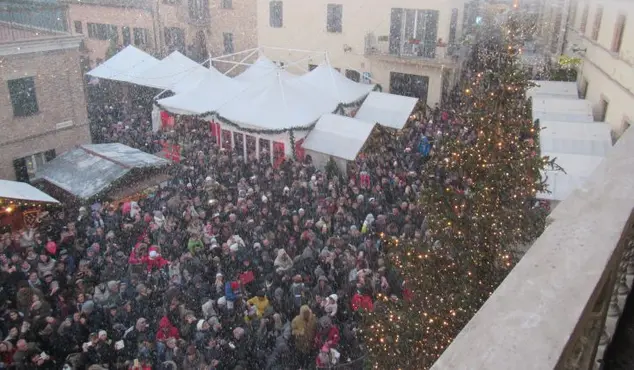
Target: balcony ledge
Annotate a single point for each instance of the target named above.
(540, 316)
(438, 62)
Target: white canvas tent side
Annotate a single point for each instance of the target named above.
(566, 110)
(125, 66)
(575, 138)
(339, 137)
(388, 110)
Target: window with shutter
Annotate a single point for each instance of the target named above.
(453, 26)
(127, 37)
(276, 14)
(584, 19)
(21, 172)
(23, 97)
(597, 23)
(619, 29)
(334, 18)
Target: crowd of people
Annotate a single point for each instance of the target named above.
(234, 264)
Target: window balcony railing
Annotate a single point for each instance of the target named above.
(560, 306)
(412, 49)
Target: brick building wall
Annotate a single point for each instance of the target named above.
(60, 96)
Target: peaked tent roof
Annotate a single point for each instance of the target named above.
(264, 69)
(124, 66)
(278, 106)
(211, 92)
(547, 108)
(168, 72)
(338, 136)
(387, 110)
(337, 85)
(23, 191)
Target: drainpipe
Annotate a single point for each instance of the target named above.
(156, 25)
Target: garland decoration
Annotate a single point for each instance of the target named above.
(291, 139)
(338, 110)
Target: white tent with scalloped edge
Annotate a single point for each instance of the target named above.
(125, 66)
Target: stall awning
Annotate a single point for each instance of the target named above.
(21, 191)
(593, 139)
(554, 89)
(387, 110)
(338, 136)
(568, 110)
(88, 170)
(577, 169)
(124, 66)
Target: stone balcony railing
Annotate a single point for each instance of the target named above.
(559, 307)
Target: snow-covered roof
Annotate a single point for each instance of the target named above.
(387, 110)
(575, 138)
(264, 70)
(554, 89)
(338, 136)
(124, 66)
(577, 169)
(89, 169)
(331, 81)
(21, 191)
(547, 108)
(168, 72)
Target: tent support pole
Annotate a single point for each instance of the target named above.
(220, 58)
(240, 62)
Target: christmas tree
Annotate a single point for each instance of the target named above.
(479, 208)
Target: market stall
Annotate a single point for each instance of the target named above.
(592, 139)
(99, 172)
(337, 137)
(21, 205)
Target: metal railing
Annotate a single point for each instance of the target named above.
(410, 49)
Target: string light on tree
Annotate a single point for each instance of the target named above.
(476, 216)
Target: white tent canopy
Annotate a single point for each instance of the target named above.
(125, 66)
(281, 105)
(575, 138)
(331, 81)
(264, 69)
(212, 92)
(387, 110)
(21, 191)
(338, 136)
(168, 72)
(553, 89)
(577, 169)
(568, 110)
